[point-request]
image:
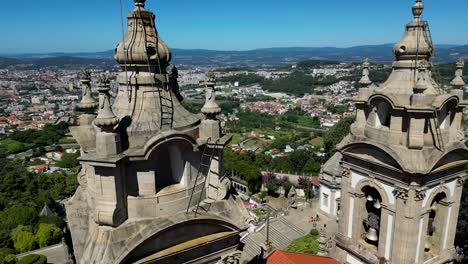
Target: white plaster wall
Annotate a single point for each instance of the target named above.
(350, 218)
(356, 178)
(451, 186)
(428, 194)
(389, 191)
(447, 226)
(337, 196)
(388, 241)
(352, 260)
(325, 208)
(418, 245)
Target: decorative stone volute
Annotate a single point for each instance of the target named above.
(106, 120)
(142, 48)
(87, 103)
(211, 107)
(457, 82)
(421, 84)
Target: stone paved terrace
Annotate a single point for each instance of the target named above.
(282, 233)
(55, 254)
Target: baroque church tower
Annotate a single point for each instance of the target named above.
(152, 187)
(404, 161)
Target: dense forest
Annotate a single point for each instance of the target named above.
(22, 196)
(249, 165)
(297, 83)
(243, 79)
(30, 139)
(23, 193)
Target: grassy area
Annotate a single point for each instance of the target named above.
(67, 141)
(317, 142)
(307, 244)
(237, 138)
(13, 146)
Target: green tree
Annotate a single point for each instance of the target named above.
(47, 234)
(7, 256)
(336, 134)
(69, 160)
(23, 238)
(19, 214)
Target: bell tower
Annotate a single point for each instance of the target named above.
(403, 163)
(152, 185)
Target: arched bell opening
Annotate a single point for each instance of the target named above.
(170, 163)
(436, 222)
(379, 113)
(446, 115)
(372, 216)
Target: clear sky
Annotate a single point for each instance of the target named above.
(30, 26)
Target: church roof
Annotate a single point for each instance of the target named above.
(284, 257)
(46, 211)
(332, 166)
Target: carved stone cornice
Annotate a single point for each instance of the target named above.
(401, 193)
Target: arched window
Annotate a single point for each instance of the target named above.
(380, 113)
(436, 225)
(371, 221)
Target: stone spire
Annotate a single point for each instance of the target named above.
(148, 96)
(365, 81)
(322, 243)
(210, 127)
(106, 120)
(142, 48)
(211, 108)
(414, 48)
(458, 82)
(87, 103)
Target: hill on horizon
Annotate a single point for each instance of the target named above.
(202, 57)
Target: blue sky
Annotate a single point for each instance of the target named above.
(30, 26)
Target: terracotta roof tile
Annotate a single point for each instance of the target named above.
(283, 257)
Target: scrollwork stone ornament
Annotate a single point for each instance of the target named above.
(420, 194)
(346, 172)
(400, 193)
(460, 181)
(233, 258)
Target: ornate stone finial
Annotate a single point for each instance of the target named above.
(365, 81)
(418, 9)
(106, 119)
(211, 107)
(139, 3)
(421, 84)
(458, 82)
(87, 103)
(322, 243)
